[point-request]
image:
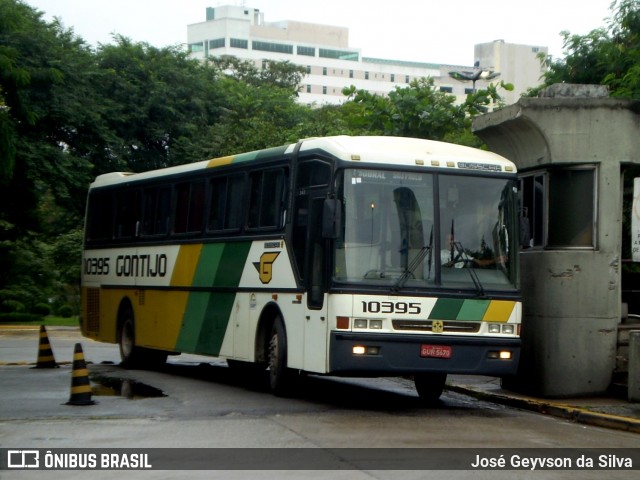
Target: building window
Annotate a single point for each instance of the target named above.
(307, 51)
(196, 47)
(559, 207)
(324, 90)
(308, 88)
(393, 77)
(338, 54)
(350, 73)
(239, 43)
(366, 75)
(446, 89)
(406, 79)
(309, 69)
(532, 209)
(217, 43)
(324, 71)
(272, 47)
(468, 91)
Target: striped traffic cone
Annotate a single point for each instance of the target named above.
(45, 354)
(80, 386)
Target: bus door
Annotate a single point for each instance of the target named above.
(310, 253)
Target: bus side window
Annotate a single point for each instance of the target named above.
(127, 213)
(267, 198)
(189, 207)
(100, 216)
(157, 210)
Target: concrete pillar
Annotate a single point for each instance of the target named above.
(634, 366)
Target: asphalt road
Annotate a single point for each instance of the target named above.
(204, 404)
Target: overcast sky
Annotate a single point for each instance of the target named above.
(433, 31)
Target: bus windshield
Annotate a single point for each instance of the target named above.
(409, 230)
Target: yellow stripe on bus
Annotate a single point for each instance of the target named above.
(218, 162)
(499, 311)
(186, 264)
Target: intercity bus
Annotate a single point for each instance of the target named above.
(344, 256)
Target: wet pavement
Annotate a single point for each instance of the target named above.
(609, 410)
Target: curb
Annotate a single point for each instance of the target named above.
(567, 412)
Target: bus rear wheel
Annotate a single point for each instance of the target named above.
(429, 386)
(279, 374)
(129, 353)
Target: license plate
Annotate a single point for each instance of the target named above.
(435, 351)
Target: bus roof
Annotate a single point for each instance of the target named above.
(401, 151)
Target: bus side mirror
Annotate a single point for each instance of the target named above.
(331, 218)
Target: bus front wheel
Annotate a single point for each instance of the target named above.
(429, 386)
(279, 374)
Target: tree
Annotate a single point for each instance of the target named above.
(258, 108)
(159, 103)
(608, 55)
(419, 110)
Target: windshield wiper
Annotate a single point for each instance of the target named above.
(411, 267)
(474, 276)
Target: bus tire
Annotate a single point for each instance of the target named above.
(130, 355)
(279, 374)
(429, 386)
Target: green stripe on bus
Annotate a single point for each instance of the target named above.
(473, 310)
(207, 313)
(446, 309)
(231, 264)
(470, 310)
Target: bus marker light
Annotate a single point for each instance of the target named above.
(359, 350)
(342, 323)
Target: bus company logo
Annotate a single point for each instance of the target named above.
(437, 326)
(265, 266)
(23, 459)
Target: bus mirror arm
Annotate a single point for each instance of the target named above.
(331, 218)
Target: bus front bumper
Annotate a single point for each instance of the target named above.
(370, 354)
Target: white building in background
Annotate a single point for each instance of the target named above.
(332, 64)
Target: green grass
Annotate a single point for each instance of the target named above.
(49, 321)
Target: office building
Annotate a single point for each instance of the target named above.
(333, 64)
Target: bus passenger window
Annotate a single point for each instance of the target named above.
(127, 213)
(157, 209)
(267, 198)
(189, 207)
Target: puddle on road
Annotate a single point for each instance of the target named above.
(123, 387)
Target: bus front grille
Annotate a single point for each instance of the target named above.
(427, 326)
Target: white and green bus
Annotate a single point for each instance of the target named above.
(345, 256)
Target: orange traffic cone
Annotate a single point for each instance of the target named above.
(80, 386)
(45, 354)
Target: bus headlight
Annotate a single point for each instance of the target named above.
(500, 355)
(359, 323)
(375, 324)
(508, 329)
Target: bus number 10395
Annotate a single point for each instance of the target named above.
(412, 308)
